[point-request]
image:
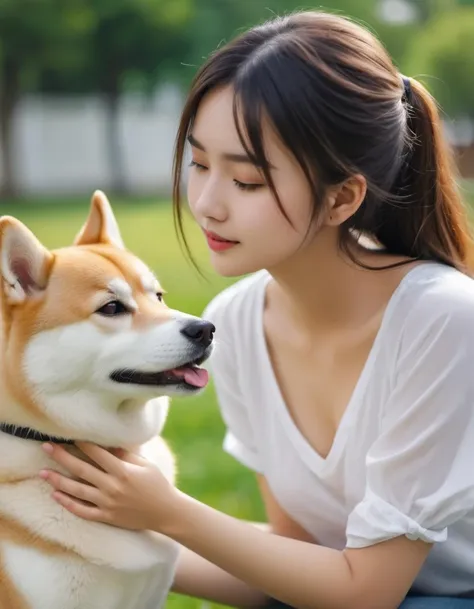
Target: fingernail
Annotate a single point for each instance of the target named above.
(43, 474)
(48, 448)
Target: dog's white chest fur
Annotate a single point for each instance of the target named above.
(97, 566)
(68, 582)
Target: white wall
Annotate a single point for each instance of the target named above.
(59, 143)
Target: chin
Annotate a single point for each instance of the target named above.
(233, 268)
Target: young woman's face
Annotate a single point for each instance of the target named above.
(230, 200)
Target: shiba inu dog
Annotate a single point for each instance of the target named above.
(88, 351)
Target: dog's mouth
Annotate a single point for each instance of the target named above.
(189, 376)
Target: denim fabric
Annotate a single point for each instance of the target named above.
(437, 602)
(412, 602)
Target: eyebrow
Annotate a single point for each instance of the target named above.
(151, 284)
(228, 156)
(122, 291)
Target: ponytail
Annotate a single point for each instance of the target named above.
(428, 220)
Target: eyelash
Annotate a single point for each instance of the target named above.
(240, 185)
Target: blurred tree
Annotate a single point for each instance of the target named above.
(443, 52)
(129, 44)
(33, 33)
(132, 38)
(215, 22)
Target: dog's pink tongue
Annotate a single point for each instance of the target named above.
(198, 377)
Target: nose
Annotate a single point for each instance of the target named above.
(206, 197)
(200, 332)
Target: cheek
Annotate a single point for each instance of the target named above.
(296, 196)
(58, 359)
(111, 325)
(297, 202)
(266, 218)
(194, 190)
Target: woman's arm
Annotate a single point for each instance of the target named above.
(200, 578)
(298, 573)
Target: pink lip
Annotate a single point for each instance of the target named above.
(217, 243)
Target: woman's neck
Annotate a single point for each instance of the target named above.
(320, 287)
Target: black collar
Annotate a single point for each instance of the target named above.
(26, 433)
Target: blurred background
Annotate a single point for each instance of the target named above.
(90, 95)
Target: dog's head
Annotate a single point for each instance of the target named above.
(87, 340)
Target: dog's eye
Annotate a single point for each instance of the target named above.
(159, 295)
(115, 307)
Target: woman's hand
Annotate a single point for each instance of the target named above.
(126, 490)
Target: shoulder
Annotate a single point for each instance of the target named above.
(236, 303)
(431, 342)
(435, 301)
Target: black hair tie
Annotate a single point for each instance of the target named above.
(406, 88)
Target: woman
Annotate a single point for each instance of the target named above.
(344, 367)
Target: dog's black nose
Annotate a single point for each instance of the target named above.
(200, 332)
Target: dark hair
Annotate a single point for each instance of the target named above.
(341, 108)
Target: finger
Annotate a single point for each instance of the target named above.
(80, 509)
(103, 457)
(77, 467)
(129, 457)
(73, 488)
(111, 460)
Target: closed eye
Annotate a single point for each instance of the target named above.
(198, 166)
(247, 186)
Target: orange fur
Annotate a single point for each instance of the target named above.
(12, 531)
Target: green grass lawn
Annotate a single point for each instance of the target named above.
(194, 428)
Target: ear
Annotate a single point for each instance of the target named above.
(345, 199)
(101, 225)
(25, 263)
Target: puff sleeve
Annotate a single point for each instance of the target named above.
(420, 470)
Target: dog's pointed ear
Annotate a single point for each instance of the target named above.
(101, 225)
(25, 263)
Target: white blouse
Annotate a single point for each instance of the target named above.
(402, 460)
